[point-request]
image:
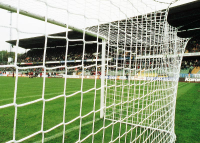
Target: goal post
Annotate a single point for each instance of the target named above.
(119, 61)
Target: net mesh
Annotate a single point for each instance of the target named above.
(134, 71)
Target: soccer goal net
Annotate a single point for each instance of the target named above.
(111, 75)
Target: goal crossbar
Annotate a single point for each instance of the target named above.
(49, 20)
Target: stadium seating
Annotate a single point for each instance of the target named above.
(184, 71)
(196, 70)
(57, 54)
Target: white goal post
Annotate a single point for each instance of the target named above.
(133, 55)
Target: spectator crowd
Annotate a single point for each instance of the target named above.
(58, 54)
(76, 53)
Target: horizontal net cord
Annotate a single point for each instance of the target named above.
(20, 31)
(7, 66)
(7, 105)
(31, 67)
(136, 126)
(28, 103)
(121, 103)
(68, 11)
(91, 135)
(53, 98)
(23, 139)
(163, 115)
(141, 110)
(74, 40)
(138, 39)
(31, 96)
(56, 126)
(153, 91)
(157, 136)
(142, 126)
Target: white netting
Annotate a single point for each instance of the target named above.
(134, 70)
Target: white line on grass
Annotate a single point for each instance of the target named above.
(35, 96)
(181, 85)
(67, 131)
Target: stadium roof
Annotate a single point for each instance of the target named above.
(185, 17)
(38, 42)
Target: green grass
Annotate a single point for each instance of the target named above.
(187, 123)
(29, 117)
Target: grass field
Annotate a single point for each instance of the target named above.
(29, 117)
(187, 120)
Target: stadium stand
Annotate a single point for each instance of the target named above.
(184, 71)
(57, 54)
(56, 51)
(195, 70)
(193, 46)
(198, 72)
(191, 58)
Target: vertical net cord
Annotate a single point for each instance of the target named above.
(144, 71)
(106, 88)
(148, 82)
(65, 82)
(145, 83)
(128, 78)
(130, 93)
(141, 83)
(144, 68)
(154, 65)
(168, 123)
(129, 50)
(95, 92)
(81, 102)
(150, 63)
(115, 92)
(156, 83)
(121, 95)
(106, 82)
(163, 88)
(123, 81)
(108, 100)
(95, 84)
(44, 78)
(135, 82)
(16, 79)
(176, 88)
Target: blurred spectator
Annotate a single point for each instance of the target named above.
(58, 54)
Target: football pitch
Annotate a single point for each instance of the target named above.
(29, 117)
